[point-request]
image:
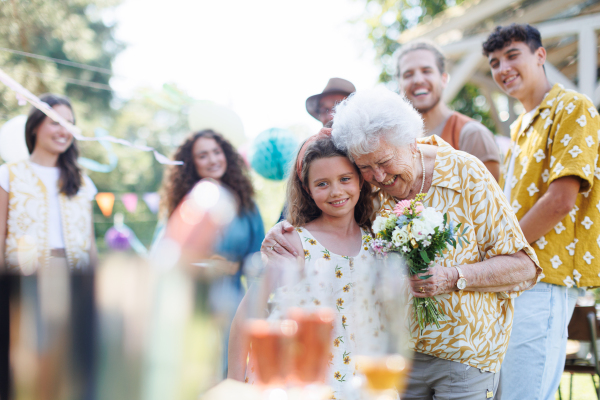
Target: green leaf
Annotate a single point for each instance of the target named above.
(424, 256)
(425, 276)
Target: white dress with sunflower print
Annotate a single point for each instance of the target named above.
(335, 281)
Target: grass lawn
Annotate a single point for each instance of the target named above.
(583, 388)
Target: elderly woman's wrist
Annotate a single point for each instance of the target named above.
(454, 276)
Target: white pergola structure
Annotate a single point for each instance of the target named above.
(569, 30)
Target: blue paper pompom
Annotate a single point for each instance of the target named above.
(272, 153)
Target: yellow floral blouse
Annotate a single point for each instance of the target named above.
(561, 140)
(478, 324)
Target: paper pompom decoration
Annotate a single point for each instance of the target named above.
(272, 153)
(12, 140)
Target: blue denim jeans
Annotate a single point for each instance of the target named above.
(535, 358)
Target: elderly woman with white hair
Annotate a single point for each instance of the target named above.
(475, 284)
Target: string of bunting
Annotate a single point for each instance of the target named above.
(106, 201)
(24, 96)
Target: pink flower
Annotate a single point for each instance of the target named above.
(401, 206)
(419, 208)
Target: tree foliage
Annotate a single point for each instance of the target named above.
(78, 31)
(387, 19)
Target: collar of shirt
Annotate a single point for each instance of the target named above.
(444, 150)
(553, 95)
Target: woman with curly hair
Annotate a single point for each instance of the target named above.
(207, 154)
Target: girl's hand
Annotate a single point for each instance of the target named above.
(443, 280)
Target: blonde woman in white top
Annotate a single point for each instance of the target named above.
(45, 201)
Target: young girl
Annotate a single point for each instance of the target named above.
(330, 206)
(45, 201)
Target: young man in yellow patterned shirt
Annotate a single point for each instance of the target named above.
(549, 179)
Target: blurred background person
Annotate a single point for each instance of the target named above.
(207, 154)
(321, 105)
(45, 201)
(422, 77)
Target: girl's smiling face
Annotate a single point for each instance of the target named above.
(334, 185)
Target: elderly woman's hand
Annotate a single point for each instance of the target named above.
(275, 242)
(443, 280)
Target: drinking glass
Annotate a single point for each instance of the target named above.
(383, 358)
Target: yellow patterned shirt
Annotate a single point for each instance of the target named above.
(561, 140)
(478, 324)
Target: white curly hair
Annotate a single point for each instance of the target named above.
(367, 116)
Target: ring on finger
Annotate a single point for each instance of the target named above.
(422, 289)
(272, 248)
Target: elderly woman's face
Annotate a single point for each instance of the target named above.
(390, 168)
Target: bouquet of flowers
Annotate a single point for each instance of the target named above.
(420, 234)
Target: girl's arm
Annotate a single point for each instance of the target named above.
(239, 345)
(3, 225)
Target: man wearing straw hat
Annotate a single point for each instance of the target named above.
(321, 105)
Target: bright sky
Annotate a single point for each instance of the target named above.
(262, 58)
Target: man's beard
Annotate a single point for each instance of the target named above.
(427, 109)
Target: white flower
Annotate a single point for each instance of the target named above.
(559, 228)
(568, 281)
(400, 236)
(405, 249)
(541, 242)
(539, 155)
(587, 222)
(426, 243)
(575, 151)
(420, 229)
(588, 257)
(545, 175)
(589, 141)
(555, 261)
(582, 121)
(379, 224)
(576, 275)
(566, 139)
(433, 218)
(571, 247)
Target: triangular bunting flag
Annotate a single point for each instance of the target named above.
(152, 200)
(105, 201)
(130, 201)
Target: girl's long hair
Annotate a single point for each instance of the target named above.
(302, 208)
(70, 174)
(180, 179)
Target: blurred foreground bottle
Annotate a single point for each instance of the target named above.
(135, 328)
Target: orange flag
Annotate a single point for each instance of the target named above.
(105, 202)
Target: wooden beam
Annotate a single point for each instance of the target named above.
(587, 61)
(460, 75)
(550, 29)
(555, 76)
(457, 17)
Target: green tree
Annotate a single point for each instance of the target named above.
(385, 21)
(77, 31)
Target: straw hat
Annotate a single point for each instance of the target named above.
(334, 86)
